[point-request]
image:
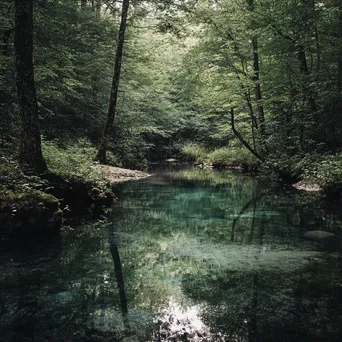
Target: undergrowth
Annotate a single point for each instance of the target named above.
(194, 153)
(326, 171)
(72, 160)
(234, 156)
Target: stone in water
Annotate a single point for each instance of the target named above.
(318, 235)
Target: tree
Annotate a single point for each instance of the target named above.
(101, 155)
(30, 152)
(256, 77)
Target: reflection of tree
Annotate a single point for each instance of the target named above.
(253, 331)
(118, 275)
(253, 201)
(20, 287)
(239, 299)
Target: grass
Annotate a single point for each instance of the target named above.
(234, 156)
(194, 153)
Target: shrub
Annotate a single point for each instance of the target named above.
(12, 178)
(194, 152)
(234, 156)
(326, 171)
(72, 160)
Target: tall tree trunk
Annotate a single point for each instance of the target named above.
(303, 65)
(308, 96)
(101, 155)
(257, 88)
(256, 79)
(30, 152)
(98, 5)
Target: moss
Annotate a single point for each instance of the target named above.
(27, 200)
(29, 213)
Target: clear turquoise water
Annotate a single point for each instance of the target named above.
(187, 255)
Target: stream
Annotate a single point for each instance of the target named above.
(186, 255)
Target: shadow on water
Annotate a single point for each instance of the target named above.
(22, 266)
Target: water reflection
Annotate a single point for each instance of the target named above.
(189, 255)
(118, 275)
(22, 266)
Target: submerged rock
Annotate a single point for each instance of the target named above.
(318, 235)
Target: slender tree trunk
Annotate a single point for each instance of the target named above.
(30, 152)
(83, 4)
(256, 79)
(5, 42)
(257, 87)
(98, 5)
(246, 92)
(101, 155)
(303, 68)
(242, 140)
(303, 65)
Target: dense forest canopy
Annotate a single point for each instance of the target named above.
(229, 81)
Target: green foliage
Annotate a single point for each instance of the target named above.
(326, 171)
(72, 160)
(27, 200)
(13, 179)
(129, 150)
(179, 92)
(194, 152)
(234, 156)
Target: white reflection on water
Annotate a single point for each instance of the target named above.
(179, 323)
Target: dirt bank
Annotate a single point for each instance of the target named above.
(118, 174)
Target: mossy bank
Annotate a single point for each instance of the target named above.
(29, 213)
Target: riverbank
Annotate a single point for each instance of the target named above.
(315, 172)
(36, 205)
(118, 175)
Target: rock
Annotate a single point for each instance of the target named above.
(172, 160)
(318, 235)
(307, 187)
(103, 197)
(204, 165)
(30, 213)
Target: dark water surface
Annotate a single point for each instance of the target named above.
(187, 255)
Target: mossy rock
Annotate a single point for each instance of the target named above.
(102, 197)
(29, 213)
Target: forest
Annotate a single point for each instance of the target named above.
(241, 83)
(170, 170)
